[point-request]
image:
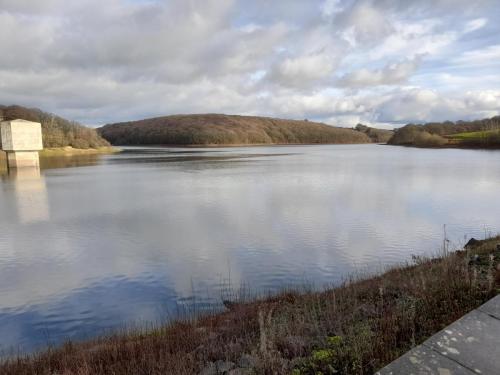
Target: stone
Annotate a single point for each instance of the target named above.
(472, 341)
(21, 140)
(224, 366)
(424, 361)
(21, 135)
(241, 371)
(492, 307)
(23, 159)
(210, 369)
(248, 361)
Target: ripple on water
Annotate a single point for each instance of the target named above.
(150, 233)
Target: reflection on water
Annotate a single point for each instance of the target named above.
(68, 161)
(3, 163)
(30, 194)
(127, 238)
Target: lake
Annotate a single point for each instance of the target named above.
(96, 243)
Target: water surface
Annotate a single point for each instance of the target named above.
(93, 243)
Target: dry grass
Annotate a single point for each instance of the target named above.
(376, 135)
(356, 328)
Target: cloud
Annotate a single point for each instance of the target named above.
(365, 24)
(420, 105)
(390, 74)
(327, 60)
(480, 57)
(475, 24)
(303, 70)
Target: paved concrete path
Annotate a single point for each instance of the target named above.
(469, 346)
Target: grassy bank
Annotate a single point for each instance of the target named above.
(356, 328)
(480, 139)
(461, 134)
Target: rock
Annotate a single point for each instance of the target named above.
(241, 371)
(224, 366)
(248, 361)
(210, 369)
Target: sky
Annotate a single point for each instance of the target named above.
(384, 63)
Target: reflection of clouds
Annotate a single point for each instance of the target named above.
(87, 311)
(314, 215)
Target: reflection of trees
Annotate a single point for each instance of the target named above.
(66, 161)
(3, 163)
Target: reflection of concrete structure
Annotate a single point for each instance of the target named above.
(31, 195)
(21, 140)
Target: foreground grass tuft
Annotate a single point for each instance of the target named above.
(356, 328)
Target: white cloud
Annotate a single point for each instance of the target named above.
(338, 61)
(367, 24)
(480, 57)
(390, 74)
(475, 24)
(303, 70)
(423, 105)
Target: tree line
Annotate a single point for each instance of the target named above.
(56, 131)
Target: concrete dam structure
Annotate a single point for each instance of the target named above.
(21, 140)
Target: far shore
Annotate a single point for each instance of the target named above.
(449, 147)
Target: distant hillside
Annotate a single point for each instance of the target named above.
(215, 129)
(480, 133)
(56, 131)
(376, 135)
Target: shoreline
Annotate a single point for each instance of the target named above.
(447, 147)
(246, 145)
(70, 151)
(355, 328)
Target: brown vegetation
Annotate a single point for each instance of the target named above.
(441, 134)
(56, 131)
(376, 135)
(356, 328)
(214, 129)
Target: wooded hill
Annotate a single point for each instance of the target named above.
(480, 133)
(375, 134)
(218, 129)
(56, 131)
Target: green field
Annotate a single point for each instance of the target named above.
(484, 138)
(480, 135)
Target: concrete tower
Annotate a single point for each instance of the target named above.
(21, 140)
